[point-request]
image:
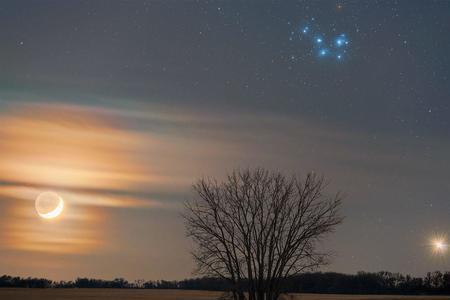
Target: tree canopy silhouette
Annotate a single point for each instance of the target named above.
(258, 228)
(434, 283)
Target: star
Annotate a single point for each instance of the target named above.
(341, 40)
(323, 52)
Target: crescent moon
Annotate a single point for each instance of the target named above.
(54, 213)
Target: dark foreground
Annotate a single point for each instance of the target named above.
(124, 294)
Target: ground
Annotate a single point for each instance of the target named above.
(116, 294)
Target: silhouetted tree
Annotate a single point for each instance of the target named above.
(8, 281)
(258, 228)
(138, 283)
(427, 281)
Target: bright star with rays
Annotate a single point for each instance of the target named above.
(439, 245)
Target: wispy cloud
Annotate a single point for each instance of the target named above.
(86, 156)
(138, 162)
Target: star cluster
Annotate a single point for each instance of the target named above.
(319, 45)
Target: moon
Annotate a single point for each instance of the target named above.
(49, 205)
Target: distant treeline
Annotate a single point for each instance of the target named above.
(360, 283)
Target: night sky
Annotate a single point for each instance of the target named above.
(119, 106)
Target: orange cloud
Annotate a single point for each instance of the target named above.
(86, 157)
(67, 146)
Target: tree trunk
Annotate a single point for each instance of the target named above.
(235, 296)
(241, 296)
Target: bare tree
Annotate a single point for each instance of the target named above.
(257, 228)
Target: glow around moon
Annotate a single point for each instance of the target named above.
(49, 205)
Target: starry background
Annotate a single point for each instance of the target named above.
(234, 84)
